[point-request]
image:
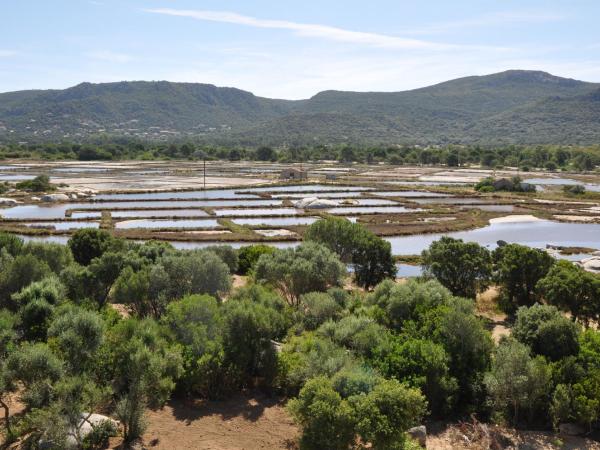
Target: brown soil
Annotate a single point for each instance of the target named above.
(485, 437)
(486, 307)
(241, 423)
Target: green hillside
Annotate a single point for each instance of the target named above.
(513, 106)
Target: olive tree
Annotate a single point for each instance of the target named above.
(310, 267)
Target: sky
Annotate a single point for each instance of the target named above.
(293, 49)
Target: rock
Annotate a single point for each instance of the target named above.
(86, 427)
(591, 264)
(570, 429)
(419, 434)
(314, 203)
(7, 201)
(55, 198)
(35, 199)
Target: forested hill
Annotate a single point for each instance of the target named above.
(509, 107)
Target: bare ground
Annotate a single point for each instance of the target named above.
(241, 423)
(486, 437)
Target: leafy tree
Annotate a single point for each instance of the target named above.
(142, 367)
(572, 289)
(10, 243)
(37, 368)
(463, 267)
(423, 364)
(385, 414)
(560, 405)
(360, 334)
(196, 323)
(337, 233)
(194, 273)
(104, 270)
(309, 267)
(248, 329)
(266, 154)
(35, 318)
(516, 382)
(468, 345)
(326, 419)
(371, 256)
(227, 254)
(57, 256)
(308, 356)
(518, 269)
(248, 256)
(41, 183)
(318, 307)
(18, 273)
(398, 303)
(49, 289)
(546, 331)
(89, 243)
(372, 260)
(78, 334)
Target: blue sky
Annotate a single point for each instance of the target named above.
(293, 49)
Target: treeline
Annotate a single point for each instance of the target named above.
(523, 157)
(106, 325)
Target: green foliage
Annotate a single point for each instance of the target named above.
(517, 270)
(371, 256)
(423, 364)
(18, 273)
(387, 412)
(248, 256)
(326, 419)
(464, 268)
(78, 335)
(57, 256)
(572, 289)
(575, 189)
(317, 308)
(10, 243)
(380, 416)
(89, 243)
(360, 334)
(309, 267)
(41, 183)
(490, 108)
(517, 383)
(407, 301)
(37, 368)
(546, 331)
(227, 254)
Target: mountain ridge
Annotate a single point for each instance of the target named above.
(491, 108)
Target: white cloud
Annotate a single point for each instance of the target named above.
(7, 53)
(490, 20)
(110, 56)
(312, 30)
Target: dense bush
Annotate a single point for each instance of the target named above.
(359, 367)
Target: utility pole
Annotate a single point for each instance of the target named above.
(204, 161)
